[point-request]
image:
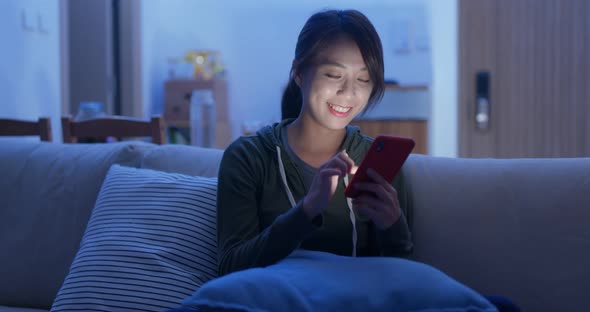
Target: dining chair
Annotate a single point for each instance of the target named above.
(113, 126)
(17, 127)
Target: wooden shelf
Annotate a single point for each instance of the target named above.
(415, 129)
(405, 87)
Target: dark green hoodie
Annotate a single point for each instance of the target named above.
(258, 226)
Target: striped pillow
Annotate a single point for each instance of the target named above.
(150, 243)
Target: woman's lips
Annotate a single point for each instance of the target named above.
(339, 111)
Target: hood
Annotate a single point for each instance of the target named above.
(354, 143)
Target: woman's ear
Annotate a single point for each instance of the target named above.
(297, 79)
(296, 73)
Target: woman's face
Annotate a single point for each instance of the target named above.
(336, 86)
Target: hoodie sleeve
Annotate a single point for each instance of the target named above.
(396, 241)
(242, 244)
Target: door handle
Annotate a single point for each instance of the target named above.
(482, 100)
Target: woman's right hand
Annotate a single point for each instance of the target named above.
(325, 182)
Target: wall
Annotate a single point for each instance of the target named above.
(29, 61)
(443, 130)
(257, 55)
(257, 41)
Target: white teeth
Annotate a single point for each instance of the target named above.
(340, 109)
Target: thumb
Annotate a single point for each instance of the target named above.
(333, 184)
(354, 169)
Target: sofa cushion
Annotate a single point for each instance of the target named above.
(191, 160)
(320, 281)
(48, 191)
(16, 309)
(510, 227)
(150, 242)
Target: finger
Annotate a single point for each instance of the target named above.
(363, 208)
(329, 179)
(371, 203)
(340, 164)
(370, 187)
(360, 201)
(375, 176)
(342, 158)
(333, 184)
(381, 181)
(379, 191)
(354, 169)
(335, 163)
(328, 173)
(344, 155)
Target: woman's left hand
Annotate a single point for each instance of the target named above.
(378, 201)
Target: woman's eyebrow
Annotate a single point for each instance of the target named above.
(332, 63)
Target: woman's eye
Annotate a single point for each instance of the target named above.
(364, 80)
(332, 76)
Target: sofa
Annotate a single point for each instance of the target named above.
(518, 228)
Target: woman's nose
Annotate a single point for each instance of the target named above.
(347, 88)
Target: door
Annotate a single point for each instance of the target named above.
(524, 78)
(92, 63)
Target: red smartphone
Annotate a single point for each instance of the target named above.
(386, 155)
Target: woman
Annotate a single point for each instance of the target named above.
(282, 189)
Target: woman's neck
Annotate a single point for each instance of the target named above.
(312, 142)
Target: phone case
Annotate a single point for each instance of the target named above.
(386, 155)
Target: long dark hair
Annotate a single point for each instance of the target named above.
(319, 29)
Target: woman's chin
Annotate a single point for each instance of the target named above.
(336, 123)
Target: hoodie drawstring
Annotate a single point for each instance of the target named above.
(293, 203)
(352, 218)
(284, 178)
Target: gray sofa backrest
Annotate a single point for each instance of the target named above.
(190, 160)
(47, 192)
(518, 228)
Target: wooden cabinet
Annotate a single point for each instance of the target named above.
(177, 105)
(415, 129)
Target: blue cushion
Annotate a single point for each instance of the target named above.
(318, 281)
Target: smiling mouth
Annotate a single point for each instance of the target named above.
(340, 109)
